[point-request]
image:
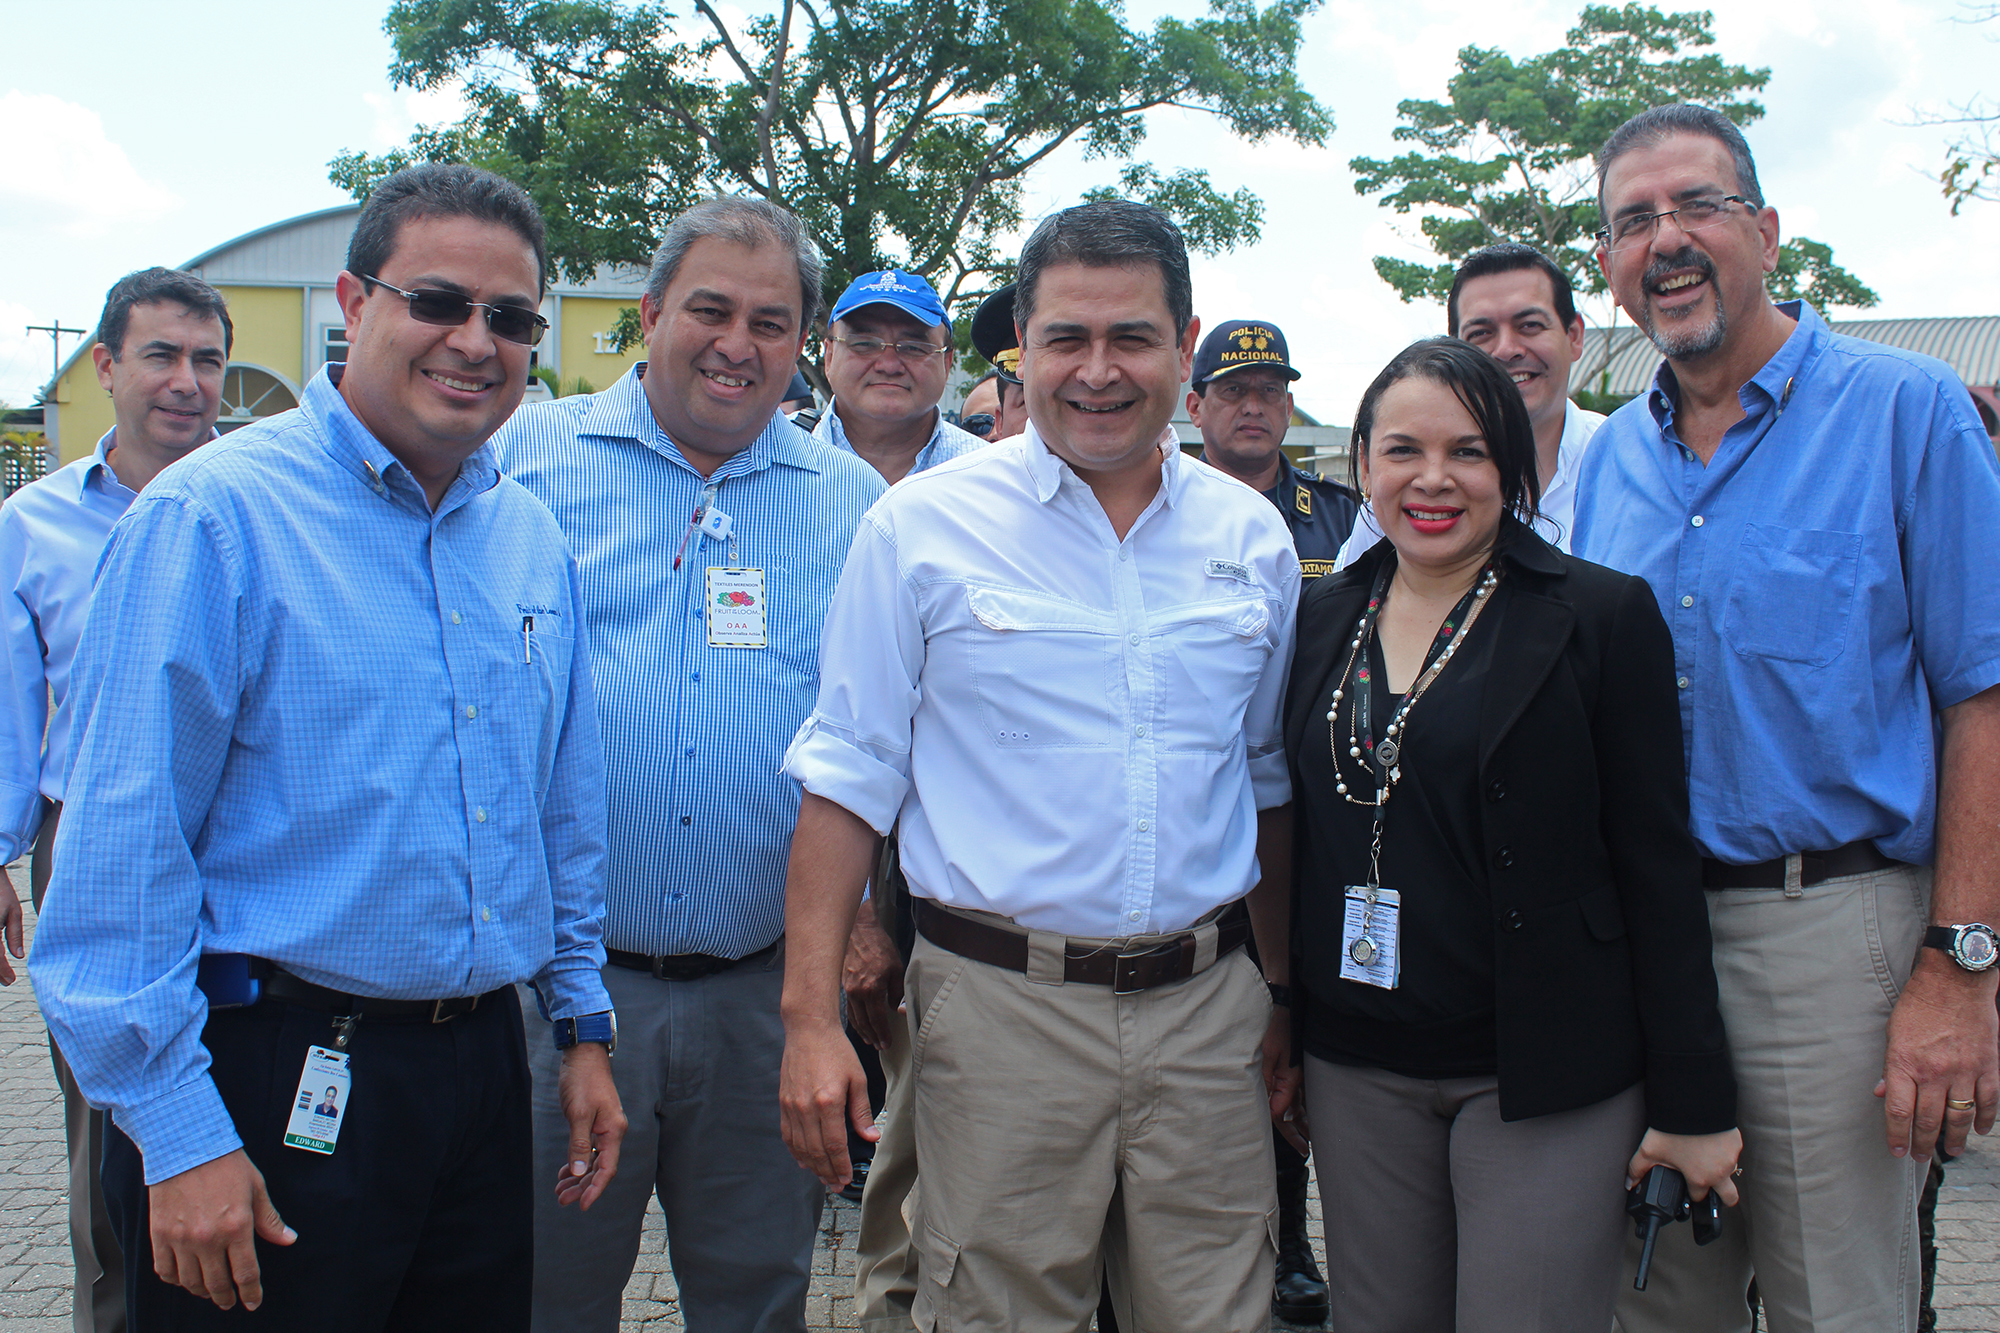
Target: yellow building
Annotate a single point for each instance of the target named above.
(279, 281)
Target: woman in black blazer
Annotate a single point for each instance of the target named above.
(1501, 950)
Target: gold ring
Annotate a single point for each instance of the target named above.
(1957, 1105)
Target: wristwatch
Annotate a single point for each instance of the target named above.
(1973, 947)
(1281, 994)
(588, 1027)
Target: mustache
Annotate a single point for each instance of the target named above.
(1686, 257)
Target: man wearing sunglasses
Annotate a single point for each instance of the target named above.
(710, 532)
(1816, 515)
(335, 736)
(1241, 402)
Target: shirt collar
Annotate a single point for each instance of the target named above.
(832, 431)
(354, 447)
(1768, 387)
(100, 474)
(1046, 470)
(623, 412)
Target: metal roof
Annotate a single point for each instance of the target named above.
(1969, 344)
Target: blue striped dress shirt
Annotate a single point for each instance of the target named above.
(946, 442)
(51, 534)
(317, 723)
(701, 816)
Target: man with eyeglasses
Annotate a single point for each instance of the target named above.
(710, 531)
(342, 787)
(1816, 515)
(888, 355)
(1241, 402)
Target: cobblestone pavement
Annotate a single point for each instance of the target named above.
(34, 1244)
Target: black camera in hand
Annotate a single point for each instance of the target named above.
(1660, 1198)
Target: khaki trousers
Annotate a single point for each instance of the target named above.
(1828, 1222)
(885, 1259)
(1067, 1131)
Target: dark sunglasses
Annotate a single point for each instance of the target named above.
(517, 324)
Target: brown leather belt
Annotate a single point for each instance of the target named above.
(1856, 858)
(1125, 973)
(686, 966)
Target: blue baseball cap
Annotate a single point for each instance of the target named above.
(905, 291)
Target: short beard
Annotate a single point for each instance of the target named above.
(1683, 344)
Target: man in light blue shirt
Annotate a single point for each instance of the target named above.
(709, 532)
(342, 787)
(163, 345)
(1817, 516)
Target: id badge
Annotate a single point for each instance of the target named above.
(321, 1102)
(736, 611)
(1370, 935)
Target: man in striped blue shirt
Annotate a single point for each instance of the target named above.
(709, 532)
(339, 786)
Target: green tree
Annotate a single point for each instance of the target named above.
(1972, 158)
(1508, 156)
(899, 130)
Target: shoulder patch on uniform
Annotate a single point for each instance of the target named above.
(1303, 499)
(1313, 569)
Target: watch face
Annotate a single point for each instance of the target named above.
(1976, 948)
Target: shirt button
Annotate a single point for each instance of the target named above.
(1131, 916)
(454, 617)
(1513, 919)
(1140, 730)
(687, 819)
(472, 710)
(480, 814)
(1696, 520)
(1143, 826)
(1504, 858)
(690, 752)
(1132, 639)
(1687, 600)
(1124, 554)
(1682, 682)
(485, 914)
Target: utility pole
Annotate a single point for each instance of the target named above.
(55, 332)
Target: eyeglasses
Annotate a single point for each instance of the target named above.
(1636, 229)
(1235, 391)
(428, 305)
(870, 348)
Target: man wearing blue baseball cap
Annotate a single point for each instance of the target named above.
(888, 354)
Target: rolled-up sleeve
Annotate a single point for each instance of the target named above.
(24, 696)
(854, 750)
(1263, 719)
(155, 692)
(575, 825)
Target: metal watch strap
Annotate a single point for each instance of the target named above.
(600, 1027)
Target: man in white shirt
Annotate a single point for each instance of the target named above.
(1512, 301)
(1055, 670)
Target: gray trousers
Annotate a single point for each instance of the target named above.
(98, 1305)
(1828, 1219)
(697, 1071)
(885, 1259)
(1440, 1216)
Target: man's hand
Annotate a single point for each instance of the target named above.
(1706, 1161)
(1944, 1045)
(820, 1086)
(205, 1224)
(11, 926)
(596, 1124)
(1285, 1083)
(872, 975)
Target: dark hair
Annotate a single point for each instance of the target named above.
(1510, 257)
(752, 224)
(1663, 122)
(443, 190)
(1489, 394)
(1111, 233)
(150, 286)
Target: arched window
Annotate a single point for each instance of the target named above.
(250, 392)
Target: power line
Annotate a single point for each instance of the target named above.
(55, 332)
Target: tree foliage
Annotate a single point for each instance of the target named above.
(899, 130)
(1972, 158)
(1509, 154)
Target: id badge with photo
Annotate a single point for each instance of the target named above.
(1370, 936)
(736, 610)
(320, 1105)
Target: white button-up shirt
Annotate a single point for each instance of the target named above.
(1067, 729)
(1556, 516)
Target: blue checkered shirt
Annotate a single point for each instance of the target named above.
(946, 442)
(317, 723)
(701, 816)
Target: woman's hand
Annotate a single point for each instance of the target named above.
(1707, 1160)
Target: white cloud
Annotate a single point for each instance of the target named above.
(60, 172)
(399, 111)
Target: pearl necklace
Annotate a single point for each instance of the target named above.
(1383, 755)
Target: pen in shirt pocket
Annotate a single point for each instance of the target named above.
(527, 641)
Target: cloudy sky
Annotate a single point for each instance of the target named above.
(150, 133)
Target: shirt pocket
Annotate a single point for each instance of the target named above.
(1791, 593)
(1044, 670)
(530, 700)
(1211, 656)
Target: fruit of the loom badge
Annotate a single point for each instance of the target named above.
(735, 598)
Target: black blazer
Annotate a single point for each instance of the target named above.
(1601, 945)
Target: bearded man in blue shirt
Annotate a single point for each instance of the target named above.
(1816, 515)
(341, 787)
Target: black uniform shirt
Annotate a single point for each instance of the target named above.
(1320, 514)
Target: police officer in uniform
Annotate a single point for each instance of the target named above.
(994, 337)
(1241, 402)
